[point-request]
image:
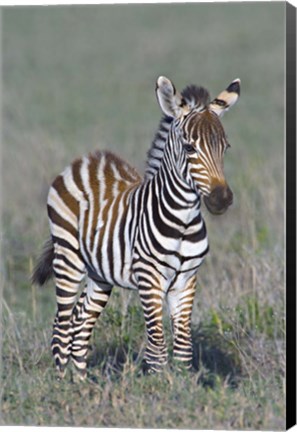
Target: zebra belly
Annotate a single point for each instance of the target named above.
(123, 280)
(111, 258)
(174, 267)
(115, 273)
(105, 245)
(106, 270)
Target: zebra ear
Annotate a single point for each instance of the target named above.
(226, 99)
(171, 101)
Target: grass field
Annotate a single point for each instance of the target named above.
(80, 78)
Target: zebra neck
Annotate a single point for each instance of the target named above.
(156, 152)
(170, 182)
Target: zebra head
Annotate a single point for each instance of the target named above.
(198, 134)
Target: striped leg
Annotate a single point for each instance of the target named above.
(180, 303)
(156, 350)
(86, 312)
(69, 272)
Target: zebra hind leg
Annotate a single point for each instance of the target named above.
(69, 272)
(86, 312)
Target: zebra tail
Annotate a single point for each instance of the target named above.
(43, 270)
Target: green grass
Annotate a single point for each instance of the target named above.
(80, 78)
(238, 371)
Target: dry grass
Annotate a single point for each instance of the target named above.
(76, 79)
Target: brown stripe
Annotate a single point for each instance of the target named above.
(58, 220)
(65, 195)
(76, 167)
(95, 186)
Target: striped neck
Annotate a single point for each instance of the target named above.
(172, 177)
(156, 152)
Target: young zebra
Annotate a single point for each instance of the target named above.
(110, 227)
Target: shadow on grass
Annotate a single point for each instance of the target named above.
(111, 360)
(214, 358)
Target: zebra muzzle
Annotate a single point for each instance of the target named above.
(219, 200)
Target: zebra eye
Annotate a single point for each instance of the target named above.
(189, 148)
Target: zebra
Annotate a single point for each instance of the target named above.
(112, 227)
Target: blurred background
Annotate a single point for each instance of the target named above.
(80, 78)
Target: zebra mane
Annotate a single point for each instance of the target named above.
(194, 97)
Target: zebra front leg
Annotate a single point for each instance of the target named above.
(180, 302)
(156, 351)
(86, 312)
